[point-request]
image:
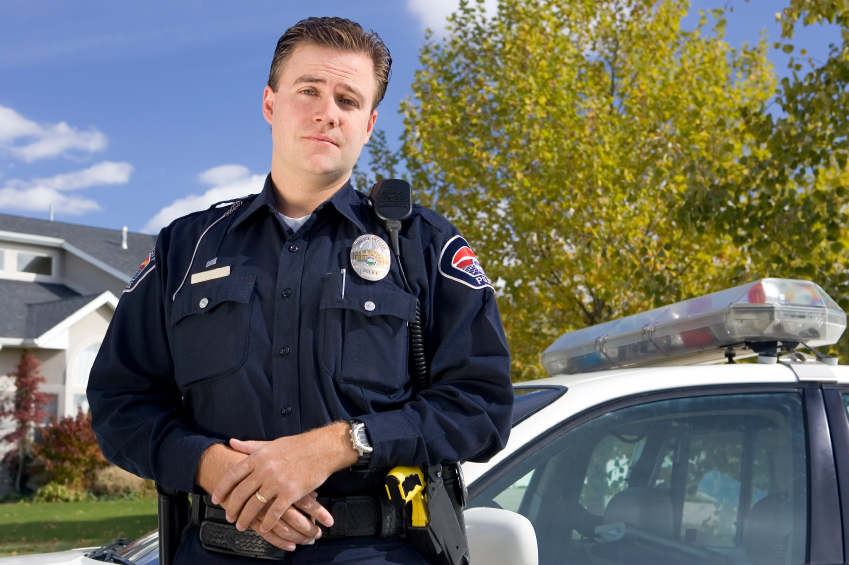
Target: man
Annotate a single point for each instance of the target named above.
(252, 342)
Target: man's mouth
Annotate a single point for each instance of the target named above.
(321, 139)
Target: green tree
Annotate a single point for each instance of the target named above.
(783, 199)
(566, 139)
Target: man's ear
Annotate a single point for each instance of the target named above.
(370, 126)
(268, 104)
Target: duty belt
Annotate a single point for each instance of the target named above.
(358, 515)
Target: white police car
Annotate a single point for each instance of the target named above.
(638, 452)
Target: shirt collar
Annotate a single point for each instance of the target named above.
(346, 200)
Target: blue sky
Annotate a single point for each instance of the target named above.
(127, 114)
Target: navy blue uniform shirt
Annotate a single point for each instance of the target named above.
(235, 327)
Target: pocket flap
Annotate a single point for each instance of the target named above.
(206, 296)
(369, 298)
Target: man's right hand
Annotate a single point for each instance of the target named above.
(294, 527)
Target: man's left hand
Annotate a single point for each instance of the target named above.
(283, 471)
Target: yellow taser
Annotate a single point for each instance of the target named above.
(407, 484)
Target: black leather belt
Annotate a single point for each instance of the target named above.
(357, 515)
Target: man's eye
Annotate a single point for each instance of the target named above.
(308, 91)
(350, 102)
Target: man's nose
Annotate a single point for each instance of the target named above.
(327, 112)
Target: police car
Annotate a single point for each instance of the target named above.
(651, 444)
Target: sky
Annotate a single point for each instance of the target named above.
(135, 113)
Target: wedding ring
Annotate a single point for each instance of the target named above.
(260, 498)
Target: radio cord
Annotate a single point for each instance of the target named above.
(417, 349)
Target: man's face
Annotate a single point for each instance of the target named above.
(321, 114)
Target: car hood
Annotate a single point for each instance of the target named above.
(74, 556)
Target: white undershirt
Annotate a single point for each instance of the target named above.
(294, 223)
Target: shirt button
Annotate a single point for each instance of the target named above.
(287, 293)
(369, 306)
(293, 248)
(284, 351)
(203, 302)
(286, 410)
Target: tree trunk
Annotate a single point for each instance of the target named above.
(20, 465)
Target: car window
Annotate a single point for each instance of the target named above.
(711, 479)
(845, 398)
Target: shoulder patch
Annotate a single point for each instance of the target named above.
(145, 268)
(458, 262)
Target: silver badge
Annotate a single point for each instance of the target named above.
(370, 257)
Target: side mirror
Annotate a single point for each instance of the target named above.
(500, 537)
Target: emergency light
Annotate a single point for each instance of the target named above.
(738, 321)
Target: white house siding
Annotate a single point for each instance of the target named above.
(92, 281)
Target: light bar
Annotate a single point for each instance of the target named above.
(701, 330)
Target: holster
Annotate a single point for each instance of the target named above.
(443, 540)
(173, 519)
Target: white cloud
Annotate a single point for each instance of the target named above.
(29, 141)
(224, 174)
(433, 13)
(38, 194)
(228, 182)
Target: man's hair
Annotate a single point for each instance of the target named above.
(334, 33)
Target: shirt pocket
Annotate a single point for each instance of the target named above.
(365, 334)
(210, 325)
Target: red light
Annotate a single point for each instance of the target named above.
(757, 294)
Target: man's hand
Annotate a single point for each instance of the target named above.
(293, 528)
(284, 471)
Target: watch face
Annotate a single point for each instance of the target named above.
(361, 436)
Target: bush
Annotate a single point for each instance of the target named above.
(56, 492)
(68, 452)
(113, 481)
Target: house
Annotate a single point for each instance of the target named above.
(59, 285)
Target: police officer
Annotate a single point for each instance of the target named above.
(260, 353)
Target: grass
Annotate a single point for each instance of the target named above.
(58, 526)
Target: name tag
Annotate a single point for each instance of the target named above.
(209, 275)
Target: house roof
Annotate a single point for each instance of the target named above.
(29, 309)
(100, 243)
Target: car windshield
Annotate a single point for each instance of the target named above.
(143, 551)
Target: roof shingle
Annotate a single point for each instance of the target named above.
(28, 309)
(100, 243)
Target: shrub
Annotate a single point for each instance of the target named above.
(56, 492)
(68, 452)
(114, 481)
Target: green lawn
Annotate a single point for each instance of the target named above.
(41, 528)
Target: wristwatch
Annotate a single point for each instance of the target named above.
(360, 442)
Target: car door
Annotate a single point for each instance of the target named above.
(735, 475)
(837, 406)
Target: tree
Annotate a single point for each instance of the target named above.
(25, 411)
(565, 139)
(783, 199)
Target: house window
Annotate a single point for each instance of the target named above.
(35, 264)
(52, 407)
(80, 402)
(83, 364)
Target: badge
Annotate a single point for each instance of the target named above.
(146, 267)
(370, 257)
(458, 262)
